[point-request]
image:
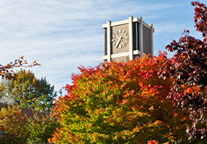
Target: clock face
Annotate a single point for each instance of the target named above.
(120, 38)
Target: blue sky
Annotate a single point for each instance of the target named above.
(64, 34)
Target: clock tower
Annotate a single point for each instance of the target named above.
(127, 39)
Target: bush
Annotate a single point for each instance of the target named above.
(13, 125)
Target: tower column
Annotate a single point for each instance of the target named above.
(108, 41)
(140, 35)
(131, 38)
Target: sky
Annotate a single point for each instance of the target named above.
(62, 35)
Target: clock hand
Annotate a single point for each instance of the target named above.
(120, 39)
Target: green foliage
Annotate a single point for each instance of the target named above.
(29, 92)
(13, 126)
(119, 103)
(41, 127)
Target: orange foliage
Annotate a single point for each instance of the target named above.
(118, 103)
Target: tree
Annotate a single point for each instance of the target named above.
(188, 68)
(6, 71)
(13, 126)
(29, 92)
(41, 127)
(119, 103)
(44, 89)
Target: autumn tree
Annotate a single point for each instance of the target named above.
(13, 126)
(188, 68)
(17, 127)
(28, 92)
(6, 71)
(119, 103)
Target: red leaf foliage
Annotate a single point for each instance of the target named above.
(188, 68)
(6, 71)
